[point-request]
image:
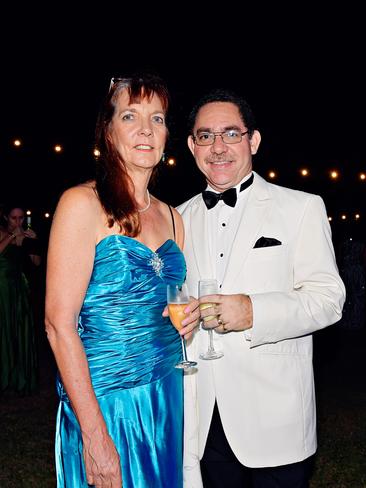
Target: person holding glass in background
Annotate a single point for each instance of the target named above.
(113, 249)
(252, 421)
(19, 251)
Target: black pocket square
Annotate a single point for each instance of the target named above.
(266, 242)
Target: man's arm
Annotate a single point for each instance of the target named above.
(318, 294)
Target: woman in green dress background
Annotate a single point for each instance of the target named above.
(18, 356)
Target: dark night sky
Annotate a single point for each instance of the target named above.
(301, 74)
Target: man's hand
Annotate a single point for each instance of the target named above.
(232, 312)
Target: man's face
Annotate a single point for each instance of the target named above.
(224, 165)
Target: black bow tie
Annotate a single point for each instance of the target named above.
(228, 196)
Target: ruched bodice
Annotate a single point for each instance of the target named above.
(129, 346)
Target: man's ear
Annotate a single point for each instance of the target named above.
(254, 141)
(190, 143)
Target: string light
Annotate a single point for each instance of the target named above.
(333, 174)
(171, 162)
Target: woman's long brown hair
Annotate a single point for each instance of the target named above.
(113, 184)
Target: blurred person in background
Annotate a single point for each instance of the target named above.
(19, 250)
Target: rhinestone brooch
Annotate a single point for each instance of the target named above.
(157, 264)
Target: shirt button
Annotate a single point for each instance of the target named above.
(223, 224)
(221, 255)
(220, 286)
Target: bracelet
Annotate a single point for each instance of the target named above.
(12, 235)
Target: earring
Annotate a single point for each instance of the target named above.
(163, 158)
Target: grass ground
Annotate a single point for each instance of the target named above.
(27, 424)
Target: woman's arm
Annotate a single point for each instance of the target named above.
(34, 256)
(36, 260)
(69, 267)
(5, 240)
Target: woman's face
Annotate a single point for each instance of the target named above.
(138, 131)
(15, 218)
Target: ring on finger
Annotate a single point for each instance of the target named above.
(222, 324)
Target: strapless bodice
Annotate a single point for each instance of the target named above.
(127, 341)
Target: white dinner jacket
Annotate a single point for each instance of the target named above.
(264, 383)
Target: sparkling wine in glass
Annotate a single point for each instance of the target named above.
(178, 299)
(208, 287)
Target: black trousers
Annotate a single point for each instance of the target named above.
(221, 469)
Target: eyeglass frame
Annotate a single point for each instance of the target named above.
(117, 79)
(215, 134)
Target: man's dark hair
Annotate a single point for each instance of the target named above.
(223, 95)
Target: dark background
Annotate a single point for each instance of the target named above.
(299, 66)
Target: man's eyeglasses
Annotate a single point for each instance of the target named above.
(231, 136)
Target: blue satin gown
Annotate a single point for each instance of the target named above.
(131, 351)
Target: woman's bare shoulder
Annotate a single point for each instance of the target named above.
(83, 195)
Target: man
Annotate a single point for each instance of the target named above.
(250, 415)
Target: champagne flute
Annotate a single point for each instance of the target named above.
(178, 299)
(208, 287)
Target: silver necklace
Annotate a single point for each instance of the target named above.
(148, 203)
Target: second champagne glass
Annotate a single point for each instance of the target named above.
(178, 299)
(208, 287)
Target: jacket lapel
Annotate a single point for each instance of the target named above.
(247, 232)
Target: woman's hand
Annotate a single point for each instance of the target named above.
(102, 463)
(191, 321)
(30, 233)
(18, 231)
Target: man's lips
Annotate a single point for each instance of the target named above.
(218, 163)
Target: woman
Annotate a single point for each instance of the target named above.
(17, 339)
(113, 249)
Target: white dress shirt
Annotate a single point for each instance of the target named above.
(223, 221)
